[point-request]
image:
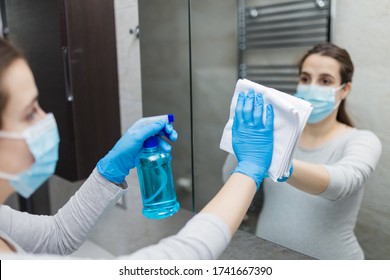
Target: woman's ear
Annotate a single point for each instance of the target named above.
(345, 90)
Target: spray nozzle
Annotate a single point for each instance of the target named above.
(152, 141)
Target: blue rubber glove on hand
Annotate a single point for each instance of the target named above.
(253, 140)
(283, 179)
(116, 165)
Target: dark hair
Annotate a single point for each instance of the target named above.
(8, 54)
(346, 71)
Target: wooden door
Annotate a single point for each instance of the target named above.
(91, 43)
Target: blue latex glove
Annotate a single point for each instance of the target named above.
(253, 140)
(283, 179)
(115, 166)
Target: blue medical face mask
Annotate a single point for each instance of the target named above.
(42, 139)
(322, 98)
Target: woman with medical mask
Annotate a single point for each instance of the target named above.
(314, 211)
(29, 152)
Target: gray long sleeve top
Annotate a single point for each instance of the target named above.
(321, 226)
(205, 236)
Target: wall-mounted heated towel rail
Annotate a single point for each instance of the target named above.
(279, 27)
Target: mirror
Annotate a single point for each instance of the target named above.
(257, 40)
(191, 60)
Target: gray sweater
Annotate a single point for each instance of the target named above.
(205, 236)
(321, 226)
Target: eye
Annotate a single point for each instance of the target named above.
(326, 82)
(32, 114)
(304, 80)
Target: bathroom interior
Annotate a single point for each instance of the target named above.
(184, 57)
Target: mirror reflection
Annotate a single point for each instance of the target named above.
(334, 205)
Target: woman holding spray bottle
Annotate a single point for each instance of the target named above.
(29, 152)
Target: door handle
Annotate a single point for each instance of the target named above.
(4, 20)
(68, 82)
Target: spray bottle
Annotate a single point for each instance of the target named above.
(155, 178)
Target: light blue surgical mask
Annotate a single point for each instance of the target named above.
(322, 98)
(42, 139)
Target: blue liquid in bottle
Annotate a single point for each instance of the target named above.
(156, 181)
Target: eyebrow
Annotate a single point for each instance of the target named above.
(325, 74)
(321, 75)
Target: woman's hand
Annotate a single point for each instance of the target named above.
(253, 140)
(115, 166)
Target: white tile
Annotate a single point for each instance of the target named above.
(123, 4)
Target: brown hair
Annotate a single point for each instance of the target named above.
(8, 54)
(346, 71)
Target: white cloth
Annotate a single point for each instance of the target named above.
(291, 115)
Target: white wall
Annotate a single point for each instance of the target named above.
(129, 66)
(362, 27)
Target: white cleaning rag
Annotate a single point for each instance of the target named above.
(291, 115)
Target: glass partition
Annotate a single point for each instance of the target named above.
(214, 74)
(165, 73)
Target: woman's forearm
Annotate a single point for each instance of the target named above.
(233, 200)
(309, 177)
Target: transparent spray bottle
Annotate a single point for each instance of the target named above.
(155, 178)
